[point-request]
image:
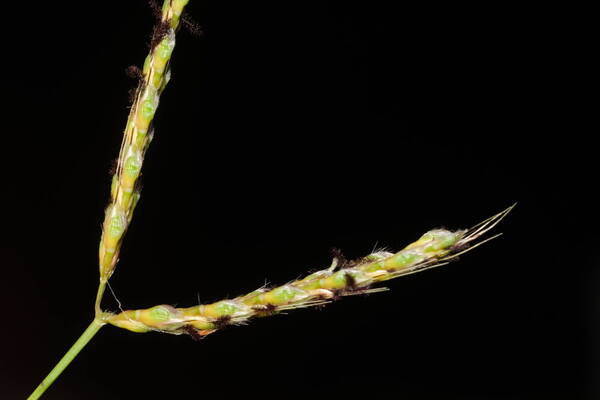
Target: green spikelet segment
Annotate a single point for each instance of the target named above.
(137, 137)
(342, 278)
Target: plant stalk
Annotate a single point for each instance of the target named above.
(83, 340)
(99, 295)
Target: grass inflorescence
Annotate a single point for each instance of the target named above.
(343, 278)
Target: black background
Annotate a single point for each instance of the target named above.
(289, 128)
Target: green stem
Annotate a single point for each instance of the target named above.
(67, 358)
(99, 296)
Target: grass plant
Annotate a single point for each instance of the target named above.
(342, 278)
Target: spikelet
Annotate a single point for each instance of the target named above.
(435, 248)
(125, 191)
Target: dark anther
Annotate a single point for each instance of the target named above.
(160, 31)
(155, 9)
(193, 332)
(190, 25)
(337, 254)
(222, 322)
(134, 72)
(132, 94)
